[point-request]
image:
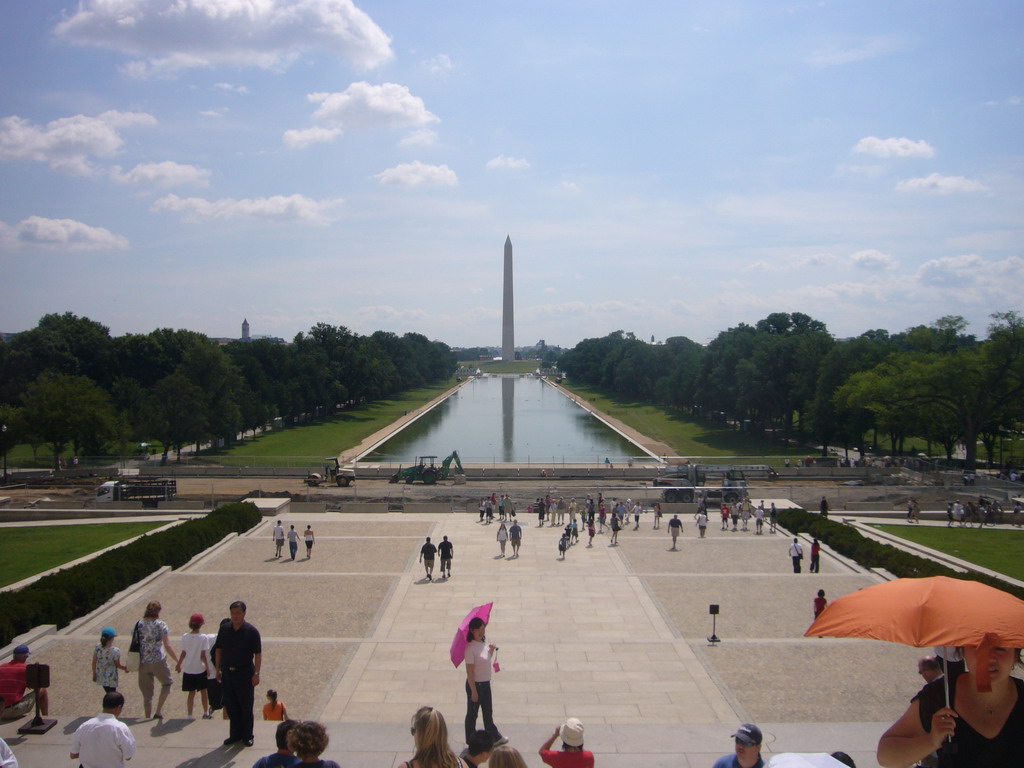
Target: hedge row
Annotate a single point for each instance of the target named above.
(73, 592)
(869, 553)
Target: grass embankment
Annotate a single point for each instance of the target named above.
(997, 549)
(688, 436)
(27, 551)
(333, 435)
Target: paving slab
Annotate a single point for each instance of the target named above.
(358, 638)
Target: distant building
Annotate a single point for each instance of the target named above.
(245, 330)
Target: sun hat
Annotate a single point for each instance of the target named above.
(572, 732)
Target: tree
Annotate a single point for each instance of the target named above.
(10, 431)
(61, 410)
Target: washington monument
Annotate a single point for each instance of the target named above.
(508, 343)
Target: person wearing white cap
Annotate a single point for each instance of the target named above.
(572, 754)
(748, 749)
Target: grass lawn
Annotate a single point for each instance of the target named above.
(27, 551)
(334, 435)
(687, 436)
(993, 548)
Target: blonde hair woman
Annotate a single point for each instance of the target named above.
(505, 757)
(430, 734)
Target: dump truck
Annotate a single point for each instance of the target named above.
(426, 471)
(715, 482)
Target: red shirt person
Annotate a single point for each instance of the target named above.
(13, 686)
(572, 754)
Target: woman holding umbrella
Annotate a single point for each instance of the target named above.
(985, 718)
(479, 658)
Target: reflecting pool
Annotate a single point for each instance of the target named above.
(500, 419)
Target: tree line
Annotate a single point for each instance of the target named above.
(68, 384)
(788, 374)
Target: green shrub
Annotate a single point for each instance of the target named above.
(73, 592)
(868, 553)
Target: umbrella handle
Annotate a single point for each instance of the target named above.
(945, 685)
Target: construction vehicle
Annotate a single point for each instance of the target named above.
(687, 482)
(341, 476)
(146, 491)
(426, 471)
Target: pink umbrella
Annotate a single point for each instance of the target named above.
(458, 651)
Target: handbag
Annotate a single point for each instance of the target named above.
(134, 651)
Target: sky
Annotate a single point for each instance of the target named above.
(665, 168)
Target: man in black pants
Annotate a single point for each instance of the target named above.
(239, 657)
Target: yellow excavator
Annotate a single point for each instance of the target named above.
(426, 471)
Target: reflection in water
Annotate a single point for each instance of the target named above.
(508, 396)
(508, 419)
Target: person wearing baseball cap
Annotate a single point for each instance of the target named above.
(748, 749)
(13, 685)
(572, 754)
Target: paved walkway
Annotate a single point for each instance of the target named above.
(357, 638)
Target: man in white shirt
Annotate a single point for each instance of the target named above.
(278, 535)
(104, 741)
(796, 552)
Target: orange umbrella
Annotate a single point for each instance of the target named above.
(924, 612)
(932, 611)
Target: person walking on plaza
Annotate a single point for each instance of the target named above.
(427, 552)
(657, 515)
(106, 660)
(759, 518)
(309, 539)
(815, 566)
(590, 532)
(796, 552)
(820, 603)
(572, 754)
(675, 527)
(616, 527)
(239, 658)
(748, 749)
(823, 507)
(445, 551)
(773, 519)
(480, 657)
(515, 537)
(502, 538)
(278, 536)
(702, 523)
(195, 661)
(104, 741)
(725, 517)
(154, 648)
(293, 541)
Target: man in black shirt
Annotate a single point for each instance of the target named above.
(427, 552)
(446, 549)
(239, 657)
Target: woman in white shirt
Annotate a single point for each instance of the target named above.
(479, 659)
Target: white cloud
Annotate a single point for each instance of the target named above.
(172, 35)
(440, 65)
(501, 161)
(569, 186)
(869, 48)
(971, 278)
(165, 174)
(242, 89)
(422, 137)
(64, 234)
(277, 208)
(213, 112)
(873, 261)
(893, 147)
(941, 185)
(366, 106)
(68, 143)
(1010, 101)
(417, 174)
(302, 138)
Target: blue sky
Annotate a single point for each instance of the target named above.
(666, 168)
